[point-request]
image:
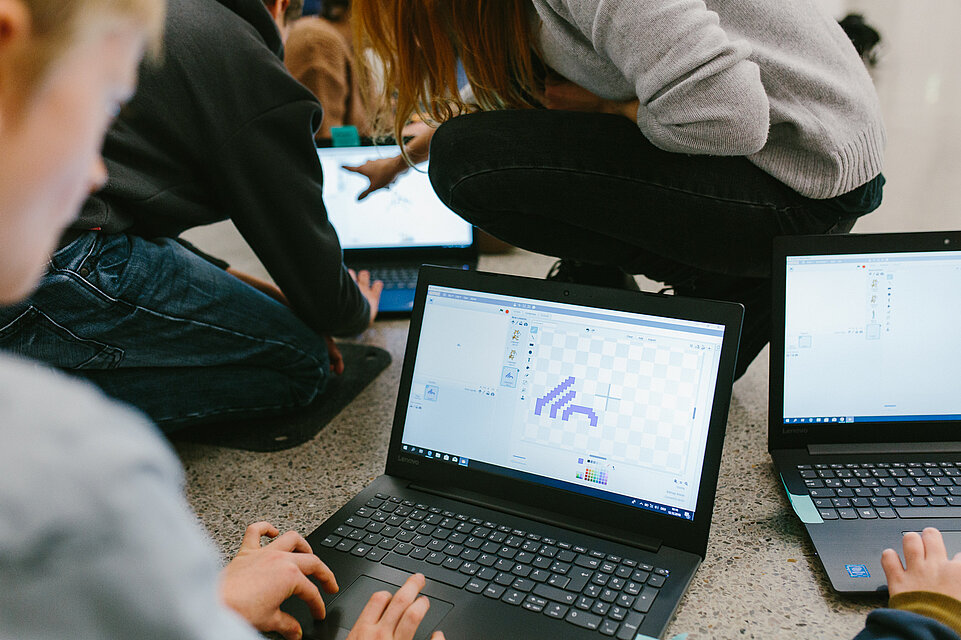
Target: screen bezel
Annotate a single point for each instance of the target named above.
(792, 436)
(689, 535)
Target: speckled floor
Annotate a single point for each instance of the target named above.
(760, 579)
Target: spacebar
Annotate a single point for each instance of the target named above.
(929, 512)
(431, 571)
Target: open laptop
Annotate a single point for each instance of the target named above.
(865, 404)
(394, 230)
(552, 463)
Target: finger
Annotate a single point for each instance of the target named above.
(311, 565)
(934, 548)
(913, 549)
(891, 563)
(310, 594)
(286, 625)
(377, 286)
(411, 619)
(255, 532)
(374, 608)
(366, 192)
(291, 541)
(353, 274)
(403, 599)
(437, 635)
(354, 169)
(363, 278)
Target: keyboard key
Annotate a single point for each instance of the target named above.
(645, 600)
(929, 512)
(513, 597)
(554, 594)
(828, 514)
(848, 514)
(494, 591)
(886, 513)
(487, 573)
(608, 627)
(583, 619)
(533, 603)
(555, 610)
(433, 572)
(867, 514)
(376, 555)
(504, 579)
(629, 627)
(656, 580)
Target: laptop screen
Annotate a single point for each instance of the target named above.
(872, 337)
(406, 214)
(609, 404)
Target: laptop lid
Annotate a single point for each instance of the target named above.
(866, 345)
(405, 222)
(599, 404)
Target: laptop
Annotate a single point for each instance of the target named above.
(393, 230)
(552, 463)
(865, 398)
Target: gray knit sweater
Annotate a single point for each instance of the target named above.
(777, 81)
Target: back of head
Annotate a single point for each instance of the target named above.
(58, 24)
(420, 41)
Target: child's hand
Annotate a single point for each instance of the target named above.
(926, 566)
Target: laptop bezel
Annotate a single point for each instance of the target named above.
(793, 436)
(687, 535)
(401, 255)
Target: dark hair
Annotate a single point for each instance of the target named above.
(864, 37)
(294, 10)
(334, 10)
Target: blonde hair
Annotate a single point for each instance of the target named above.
(420, 41)
(56, 25)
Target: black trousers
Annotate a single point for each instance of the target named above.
(591, 187)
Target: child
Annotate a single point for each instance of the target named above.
(96, 540)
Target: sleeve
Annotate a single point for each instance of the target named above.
(698, 92)
(891, 624)
(273, 192)
(98, 541)
(938, 606)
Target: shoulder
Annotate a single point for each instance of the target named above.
(65, 446)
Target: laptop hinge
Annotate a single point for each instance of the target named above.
(646, 543)
(884, 448)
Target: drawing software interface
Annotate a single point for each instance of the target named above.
(609, 404)
(406, 214)
(872, 337)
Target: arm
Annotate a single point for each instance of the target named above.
(272, 189)
(697, 91)
(925, 592)
(384, 171)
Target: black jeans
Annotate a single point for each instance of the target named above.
(591, 187)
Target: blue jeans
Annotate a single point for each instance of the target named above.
(591, 187)
(155, 325)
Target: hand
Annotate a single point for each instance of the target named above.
(259, 579)
(336, 359)
(370, 290)
(926, 566)
(381, 173)
(262, 286)
(560, 93)
(394, 617)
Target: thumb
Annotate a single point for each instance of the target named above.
(286, 625)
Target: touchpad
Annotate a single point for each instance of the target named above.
(342, 613)
(952, 542)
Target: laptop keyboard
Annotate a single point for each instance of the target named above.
(395, 277)
(584, 587)
(884, 490)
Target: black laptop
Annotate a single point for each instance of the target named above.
(552, 464)
(393, 230)
(865, 404)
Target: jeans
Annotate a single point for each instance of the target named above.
(155, 325)
(591, 187)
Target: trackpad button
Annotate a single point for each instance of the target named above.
(342, 613)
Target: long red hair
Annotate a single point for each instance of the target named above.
(419, 42)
